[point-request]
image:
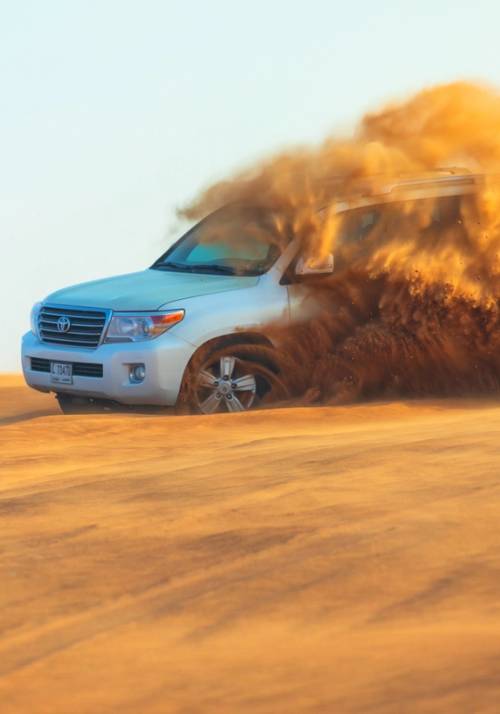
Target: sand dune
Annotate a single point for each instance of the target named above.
(302, 560)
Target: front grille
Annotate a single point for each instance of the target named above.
(71, 326)
(80, 369)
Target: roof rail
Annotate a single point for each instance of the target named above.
(453, 169)
(441, 181)
(403, 175)
(441, 178)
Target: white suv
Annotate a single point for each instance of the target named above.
(198, 315)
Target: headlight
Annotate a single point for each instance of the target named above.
(134, 327)
(35, 312)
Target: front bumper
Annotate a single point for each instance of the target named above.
(165, 359)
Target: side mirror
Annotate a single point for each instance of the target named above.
(310, 265)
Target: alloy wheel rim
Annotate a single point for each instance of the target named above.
(225, 385)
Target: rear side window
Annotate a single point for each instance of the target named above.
(357, 225)
(445, 211)
(429, 215)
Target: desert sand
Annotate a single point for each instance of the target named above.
(298, 560)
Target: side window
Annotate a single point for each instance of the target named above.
(428, 215)
(357, 224)
(445, 211)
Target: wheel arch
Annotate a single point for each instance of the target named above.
(264, 348)
(243, 337)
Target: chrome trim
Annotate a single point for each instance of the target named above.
(97, 333)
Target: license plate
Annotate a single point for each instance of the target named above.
(61, 372)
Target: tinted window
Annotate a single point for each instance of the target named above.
(428, 215)
(357, 225)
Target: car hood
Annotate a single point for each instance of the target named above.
(147, 290)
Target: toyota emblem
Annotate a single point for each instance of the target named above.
(63, 324)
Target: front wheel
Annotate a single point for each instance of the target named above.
(234, 379)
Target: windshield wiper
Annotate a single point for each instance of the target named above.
(169, 265)
(195, 268)
(206, 268)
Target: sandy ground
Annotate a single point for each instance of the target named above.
(307, 560)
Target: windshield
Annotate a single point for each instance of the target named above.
(232, 241)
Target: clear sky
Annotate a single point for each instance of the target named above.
(114, 112)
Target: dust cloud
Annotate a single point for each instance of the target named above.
(412, 309)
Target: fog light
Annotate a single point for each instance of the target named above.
(137, 372)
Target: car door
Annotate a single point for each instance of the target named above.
(355, 225)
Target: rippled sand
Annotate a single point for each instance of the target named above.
(301, 560)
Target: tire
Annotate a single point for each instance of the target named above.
(235, 378)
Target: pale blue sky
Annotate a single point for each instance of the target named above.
(114, 112)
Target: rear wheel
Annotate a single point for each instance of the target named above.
(232, 379)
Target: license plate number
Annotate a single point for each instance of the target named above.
(61, 372)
